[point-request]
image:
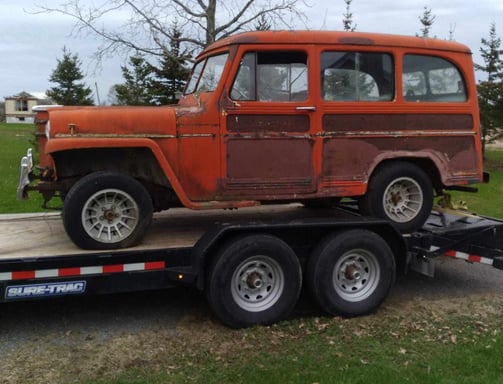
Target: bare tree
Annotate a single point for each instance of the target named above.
(452, 29)
(144, 25)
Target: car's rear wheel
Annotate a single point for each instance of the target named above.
(400, 192)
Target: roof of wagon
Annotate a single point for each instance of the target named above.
(338, 37)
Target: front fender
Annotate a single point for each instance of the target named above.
(72, 143)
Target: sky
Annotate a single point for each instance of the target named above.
(30, 44)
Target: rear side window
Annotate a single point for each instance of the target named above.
(432, 79)
(271, 76)
(357, 76)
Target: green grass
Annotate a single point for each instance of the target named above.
(429, 346)
(372, 361)
(15, 140)
(488, 200)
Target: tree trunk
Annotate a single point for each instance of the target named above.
(211, 22)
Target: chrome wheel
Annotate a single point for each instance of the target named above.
(403, 200)
(110, 215)
(257, 284)
(356, 275)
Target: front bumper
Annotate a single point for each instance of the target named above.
(25, 170)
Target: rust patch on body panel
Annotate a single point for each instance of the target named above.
(398, 122)
(269, 158)
(264, 166)
(347, 159)
(356, 41)
(271, 123)
(353, 159)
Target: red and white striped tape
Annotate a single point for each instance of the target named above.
(465, 256)
(81, 271)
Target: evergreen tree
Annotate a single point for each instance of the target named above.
(347, 20)
(2, 112)
(427, 20)
(263, 23)
(171, 77)
(137, 90)
(69, 91)
(148, 84)
(491, 90)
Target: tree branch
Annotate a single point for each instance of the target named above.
(145, 26)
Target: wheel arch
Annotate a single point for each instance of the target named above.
(141, 162)
(137, 162)
(426, 163)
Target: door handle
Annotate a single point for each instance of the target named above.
(309, 108)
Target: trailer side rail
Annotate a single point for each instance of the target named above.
(456, 234)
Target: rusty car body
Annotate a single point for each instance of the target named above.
(273, 116)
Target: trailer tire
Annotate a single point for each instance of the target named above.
(400, 192)
(350, 273)
(107, 210)
(254, 279)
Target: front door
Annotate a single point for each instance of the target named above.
(267, 145)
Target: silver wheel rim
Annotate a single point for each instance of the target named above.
(257, 284)
(356, 275)
(403, 200)
(110, 216)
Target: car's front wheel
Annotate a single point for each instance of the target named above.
(107, 210)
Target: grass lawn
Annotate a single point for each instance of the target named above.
(424, 344)
(488, 201)
(15, 140)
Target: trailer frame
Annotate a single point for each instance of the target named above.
(451, 233)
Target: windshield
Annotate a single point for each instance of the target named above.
(206, 74)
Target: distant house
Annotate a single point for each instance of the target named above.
(18, 107)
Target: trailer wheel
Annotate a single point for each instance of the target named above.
(107, 210)
(350, 273)
(400, 192)
(254, 280)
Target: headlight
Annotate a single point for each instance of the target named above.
(48, 129)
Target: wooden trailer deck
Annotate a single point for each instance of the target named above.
(42, 234)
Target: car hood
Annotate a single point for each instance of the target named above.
(112, 121)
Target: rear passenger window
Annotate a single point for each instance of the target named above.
(271, 76)
(432, 79)
(357, 76)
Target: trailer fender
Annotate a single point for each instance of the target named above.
(309, 232)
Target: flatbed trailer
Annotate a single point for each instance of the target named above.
(251, 263)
